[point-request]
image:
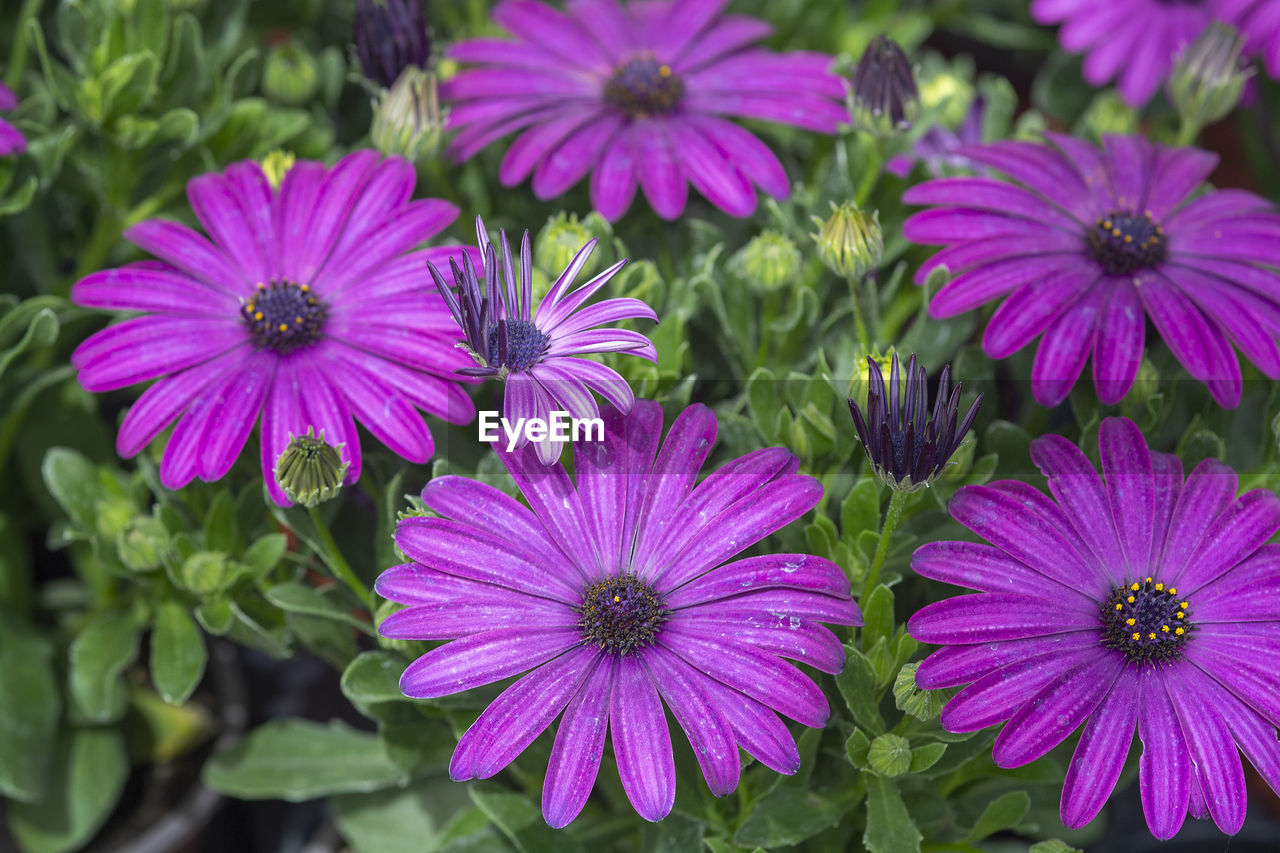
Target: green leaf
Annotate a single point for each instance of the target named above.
(29, 711)
(1053, 845)
(790, 815)
(924, 705)
(373, 677)
(520, 821)
(857, 747)
(220, 523)
(126, 85)
(1004, 812)
(762, 394)
(889, 825)
(408, 820)
(673, 834)
(265, 554)
(924, 757)
(98, 654)
(877, 615)
(857, 685)
(43, 328)
(178, 654)
(245, 629)
(215, 616)
(73, 481)
(298, 760)
(861, 510)
(299, 597)
(88, 772)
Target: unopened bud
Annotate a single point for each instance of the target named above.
(885, 99)
(391, 35)
(563, 237)
(860, 383)
(890, 755)
(310, 471)
(769, 261)
(850, 242)
(1208, 77)
(290, 76)
(406, 119)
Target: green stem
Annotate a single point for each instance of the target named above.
(891, 519)
(870, 173)
(863, 338)
(18, 52)
(1187, 132)
(338, 564)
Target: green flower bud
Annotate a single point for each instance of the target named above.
(885, 99)
(1145, 387)
(275, 165)
(860, 382)
(291, 75)
(112, 515)
(1208, 77)
(205, 572)
(924, 705)
(1106, 114)
(769, 261)
(562, 237)
(948, 96)
(406, 118)
(890, 755)
(310, 471)
(142, 543)
(850, 242)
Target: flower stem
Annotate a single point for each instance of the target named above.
(18, 50)
(1187, 132)
(338, 564)
(891, 519)
(863, 338)
(870, 173)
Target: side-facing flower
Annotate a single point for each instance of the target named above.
(535, 353)
(884, 97)
(1088, 243)
(612, 591)
(391, 35)
(909, 447)
(634, 94)
(11, 139)
(1133, 600)
(307, 306)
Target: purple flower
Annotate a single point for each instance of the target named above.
(303, 307)
(612, 592)
(634, 94)
(1138, 600)
(535, 354)
(939, 147)
(1090, 243)
(1259, 22)
(11, 139)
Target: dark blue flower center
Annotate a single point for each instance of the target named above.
(620, 615)
(1146, 621)
(1124, 244)
(526, 345)
(283, 316)
(644, 87)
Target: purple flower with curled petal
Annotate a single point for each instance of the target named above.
(1132, 600)
(306, 306)
(634, 94)
(612, 592)
(1089, 244)
(11, 139)
(536, 353)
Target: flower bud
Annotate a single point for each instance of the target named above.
(391, 35)
(885, 99)
(1208, 77)
(142, 544)
(948, 96)
(1145, 388)
(1106, 115)
(850, 242)
(275, 165)
(769, 261)
(310, 471)
(406, 118)
(860, 383)
(890, 755)
(291, 75)
(563, 236)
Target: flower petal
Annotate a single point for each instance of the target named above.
(641, 740)
(484, 658)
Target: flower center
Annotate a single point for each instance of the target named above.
(283, 316)
(1124, 243)
(621, 614)
(643, 87)
(526, 345)
(1145, 620)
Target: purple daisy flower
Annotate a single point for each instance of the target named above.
(535, 353)
(11, 139)
(1138, 600)
(939, 148)
(1093, 240)
(306, 306)
(634, 94)
(614, 592)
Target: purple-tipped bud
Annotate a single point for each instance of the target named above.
(885, 98)
(390, 36)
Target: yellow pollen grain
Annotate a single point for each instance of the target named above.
(1137, 636)
(1180, 631)
(261, 286)
(1159, 587)
(617, 598)
(1172, 591)
(1136, 587)
(1106, 223)
(297, 321)
(1130, 599)
(284, 327)
(1179, 615)
(664, 70)
(1131, 622)
(1115, 232)
(1182, 604)
(1151, 636)
(257, 315)
(249, 306)
(305, 288)
(1128, 238)
(1164, 628)
(1148, 580)
(1119, 607)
